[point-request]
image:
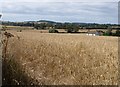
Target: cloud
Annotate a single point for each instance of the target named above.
(61, 11)
(60, 0)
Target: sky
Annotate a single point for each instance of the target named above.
(101, 11)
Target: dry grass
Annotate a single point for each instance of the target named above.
(57, 59)
(17, 28)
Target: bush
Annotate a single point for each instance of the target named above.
(20, 30)
(71, 28)
(108, 32)
(117, 32)
(53, 31)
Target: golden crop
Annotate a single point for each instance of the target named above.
(70, 59)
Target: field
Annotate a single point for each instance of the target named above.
(57, 59)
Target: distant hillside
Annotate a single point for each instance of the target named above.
(60, 25)
(46, 21)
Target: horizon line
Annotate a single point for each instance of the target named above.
(59, 21)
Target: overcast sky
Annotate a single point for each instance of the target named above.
(60, 11)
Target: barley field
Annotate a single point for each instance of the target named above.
(65, 59)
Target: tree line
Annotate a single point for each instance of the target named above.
(60, 25)
(69, 27)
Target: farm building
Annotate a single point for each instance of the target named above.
(95, 33)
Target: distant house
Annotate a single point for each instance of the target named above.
(95, 33)
(99, 33)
